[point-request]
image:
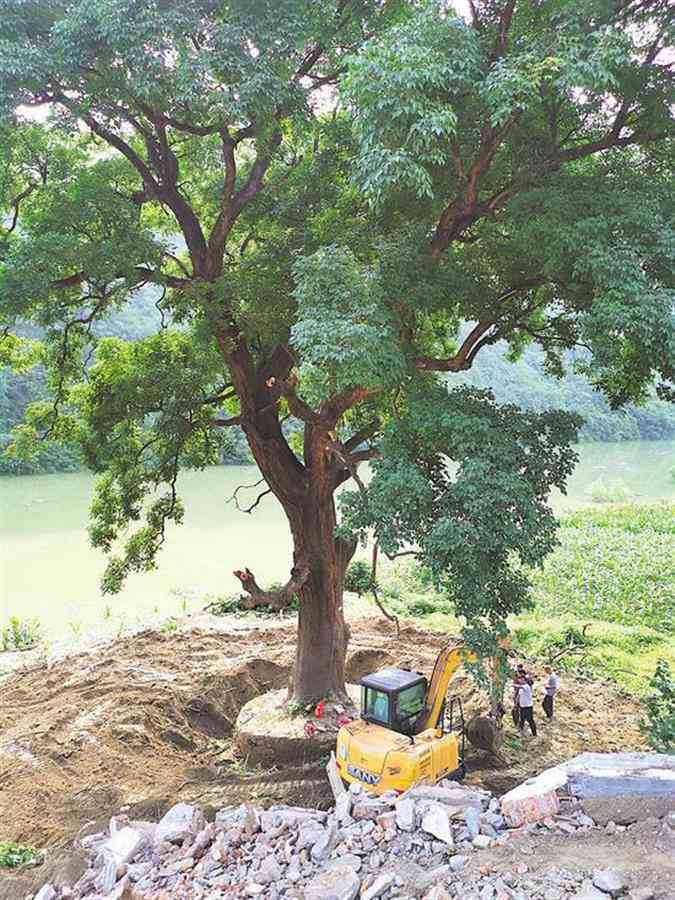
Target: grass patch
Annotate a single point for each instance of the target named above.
(616, 565)
(20, 634)
(614, 569)
(14, 855)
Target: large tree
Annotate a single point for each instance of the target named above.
(339, 206)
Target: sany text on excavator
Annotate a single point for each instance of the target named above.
(406, 733)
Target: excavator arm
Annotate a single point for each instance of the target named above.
(448, 661)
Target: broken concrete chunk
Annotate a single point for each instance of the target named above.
(405, 814)
(609, 881)
(325, 843)
(457, 797)
(369, 809)
(269, 871)
(379, 886)
(122, 846)
(180, 822)
(589, 892)
(308, 835)
(338, 883)
(336, 784)
(46, 892)
(534, 800)
(436, 822)
(343, 807)
(481, 842)
(107, 877)
(458, 862)
(472, 819)
(621, 774)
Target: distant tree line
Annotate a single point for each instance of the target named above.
(525, 383)
(137, 320)
(528, 385)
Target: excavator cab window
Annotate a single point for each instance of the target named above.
(376, 705)
(409, 704)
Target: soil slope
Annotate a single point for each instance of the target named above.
(147, 721)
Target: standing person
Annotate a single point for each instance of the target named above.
(523, 673)
(550, 687)
(525, 706)
(515, 711)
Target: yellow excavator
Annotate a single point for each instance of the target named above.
(407, 732)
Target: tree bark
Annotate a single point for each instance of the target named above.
(323, 633)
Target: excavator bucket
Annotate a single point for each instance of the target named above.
(483, 733)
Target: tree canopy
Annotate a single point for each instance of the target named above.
(325, 197)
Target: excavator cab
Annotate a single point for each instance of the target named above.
(393, 698)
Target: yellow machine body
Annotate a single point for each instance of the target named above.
(400, 739)
(382, 760)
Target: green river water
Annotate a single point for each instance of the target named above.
(48, 570)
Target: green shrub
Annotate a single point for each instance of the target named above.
(631, 517)
(231, 605)
(358, 578)
(609, 492)
(14, 855)
(659, 726)
(20, 634)
(224, 606)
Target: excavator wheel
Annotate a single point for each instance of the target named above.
(484, 733)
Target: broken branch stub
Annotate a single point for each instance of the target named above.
(279, 599)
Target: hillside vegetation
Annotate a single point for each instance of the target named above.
(524, 383)
(604, 601)
(527, 384)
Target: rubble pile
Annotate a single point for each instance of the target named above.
(425, 843)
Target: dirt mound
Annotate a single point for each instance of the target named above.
(147, 721)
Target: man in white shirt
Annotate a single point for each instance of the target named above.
(550, 687)
(525, 706)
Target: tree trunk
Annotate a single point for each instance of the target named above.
(305, 491)
(322, 631)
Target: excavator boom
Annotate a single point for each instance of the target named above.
(448, 661)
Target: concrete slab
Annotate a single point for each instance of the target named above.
(620, 775)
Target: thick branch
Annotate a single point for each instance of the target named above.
(458, 362)
(144, 275)
(226, 423)
(362, 435)
(610, 140)
(478, 337)
(233, 204)
(280, 599)
(504, 26)
(335, 406)
(16, 203)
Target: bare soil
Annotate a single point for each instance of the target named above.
(642, 854)
(147, 722)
